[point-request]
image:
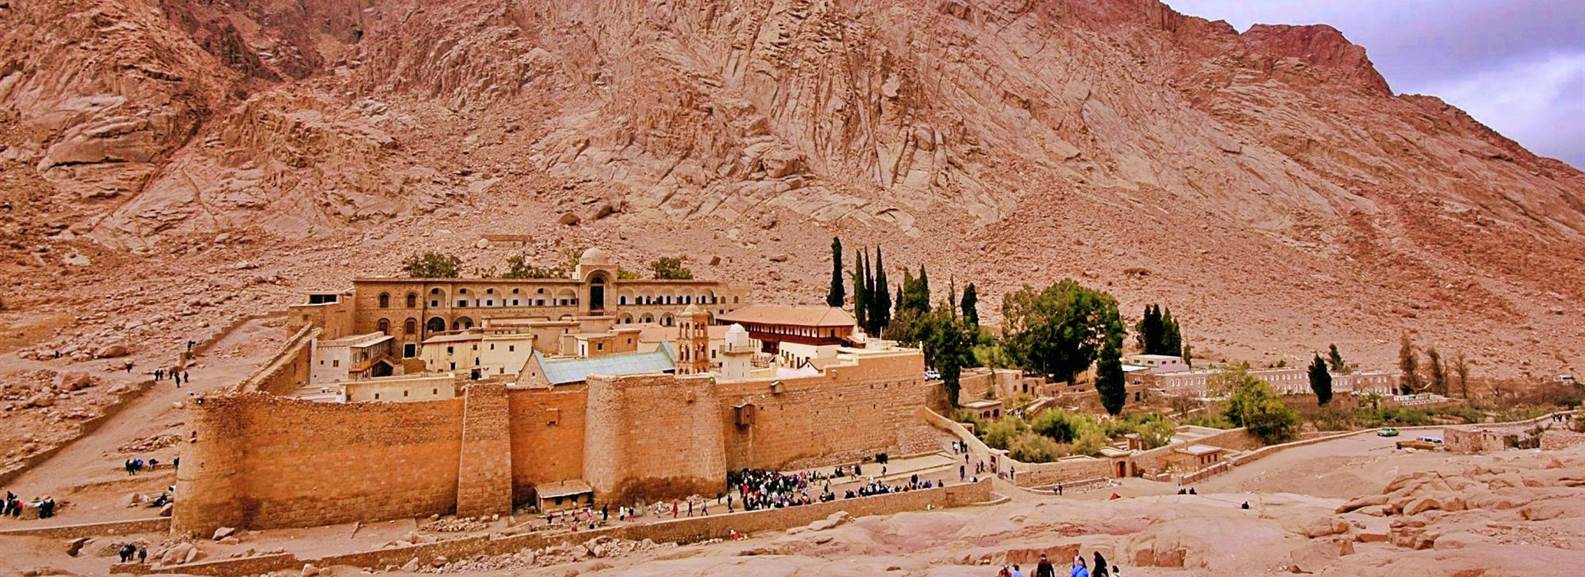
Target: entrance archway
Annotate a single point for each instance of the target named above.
(597, 292)
(435, 325)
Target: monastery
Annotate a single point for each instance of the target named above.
(410, 397)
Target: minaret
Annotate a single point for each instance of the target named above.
(693, 340)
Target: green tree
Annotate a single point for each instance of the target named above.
(1109, 381)
(670, 268)
(1461, 374)
(1059, 330)
(1188, 355)
(1156, 433)
(1335, 358)
(861, 291)
(947, 345)
(837, 296)
(1147, 332)
(1437, 373)
(519, 267)
(1256, 406)
(999, 434)
(971, 305)
(431, 265)
(881, 313)
(1409, 365)
(1171, 335)
(1321, 381)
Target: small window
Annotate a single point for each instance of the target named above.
(404, 393)
(599, 346)
(435, 392)
(511, 348)
(335, 363)
(449, 350)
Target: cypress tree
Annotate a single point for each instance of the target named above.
(1109, 373)
(1409, 365)
(923, 300)
(970, 305)
(906, 299)
(836, 296)
(861, 296)
(881, 315)
(1335, 358)
(1171, 338)
(1321, 381)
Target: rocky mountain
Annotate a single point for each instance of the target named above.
(1268, 185)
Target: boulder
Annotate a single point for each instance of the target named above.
(75, 380)
(1362, 502)
(834, 520)
(309, 570)
(569, 219)
(111, 351)
(1420, 505)
(1323, 527)
(224, 532)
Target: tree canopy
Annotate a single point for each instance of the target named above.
(431, 265)
(1256, 406)
(1321, 381)
(1058, 331)
(670, 268)
(1157, 333)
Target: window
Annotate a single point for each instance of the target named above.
(409, 351)
(376, 396)
(409, 326)
(384, 326)
(599, 346)
(335, 363)
(412, 300)
(404, 393)
(449, 350)
(385, 300)
(511, 348)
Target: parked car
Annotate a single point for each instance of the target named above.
(1387, 432)
(932, 375)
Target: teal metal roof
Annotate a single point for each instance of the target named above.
(577, 370)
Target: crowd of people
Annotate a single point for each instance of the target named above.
(137, 465)
(14, 506)
(1078, 569)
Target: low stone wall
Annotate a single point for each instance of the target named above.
(675, 531)
(1065, 470)
(149, 525)
(286, 369)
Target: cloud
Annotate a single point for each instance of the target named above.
(1518, 66)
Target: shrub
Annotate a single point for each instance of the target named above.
(999, 434)
(1211, 420)
(1062, 426)
(1032, 448)
(670, 268)
(1258, 407)
(1090, 442)
(1156, 433)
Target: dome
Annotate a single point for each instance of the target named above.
(594, 256)
(692, 310)
(737, 337)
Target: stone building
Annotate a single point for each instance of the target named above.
(412, 310)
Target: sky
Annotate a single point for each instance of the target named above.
(1518, 66)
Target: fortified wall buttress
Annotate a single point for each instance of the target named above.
(653, 437)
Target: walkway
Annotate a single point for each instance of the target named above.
(88, 475)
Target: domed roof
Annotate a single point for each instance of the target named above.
(594, 256)
(693, 309)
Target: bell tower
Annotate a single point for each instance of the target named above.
(693, 340)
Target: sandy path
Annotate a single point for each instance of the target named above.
(88, 472)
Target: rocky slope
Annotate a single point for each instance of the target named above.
(177, 161)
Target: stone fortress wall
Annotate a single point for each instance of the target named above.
(258, 460)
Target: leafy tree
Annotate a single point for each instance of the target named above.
(970, 305)
(999, 434)
(993, 356)
(1109, 372)
(1321, 381)
(624, 274)
(1156, 433)
(837, 295)
(1059, 330)
(1335, 358)
(1409, 365)
(948, 346)
(670, 268)
(1188, 355)
(1032, 448)
(860, 291)
(431, 265)
(1437, 377)
(1257, 407)
(1090, 442)
(518, 267)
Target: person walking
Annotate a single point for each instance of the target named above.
(1100, 566)
(1044, 568)
(1079, 570)
(1016, 571)
(143, 554)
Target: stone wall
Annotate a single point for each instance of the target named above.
(849, 412)
(287, 369)
(484, 471)
(547, 437)
(680, 530)
(653, 436)
(262, 461)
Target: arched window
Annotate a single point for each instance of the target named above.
(384, 326)
(385, 300)
(437, 298)
(412, 300)
(462, 323)
(409, 326)
(435, 325)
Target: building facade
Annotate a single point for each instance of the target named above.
(413, 310)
